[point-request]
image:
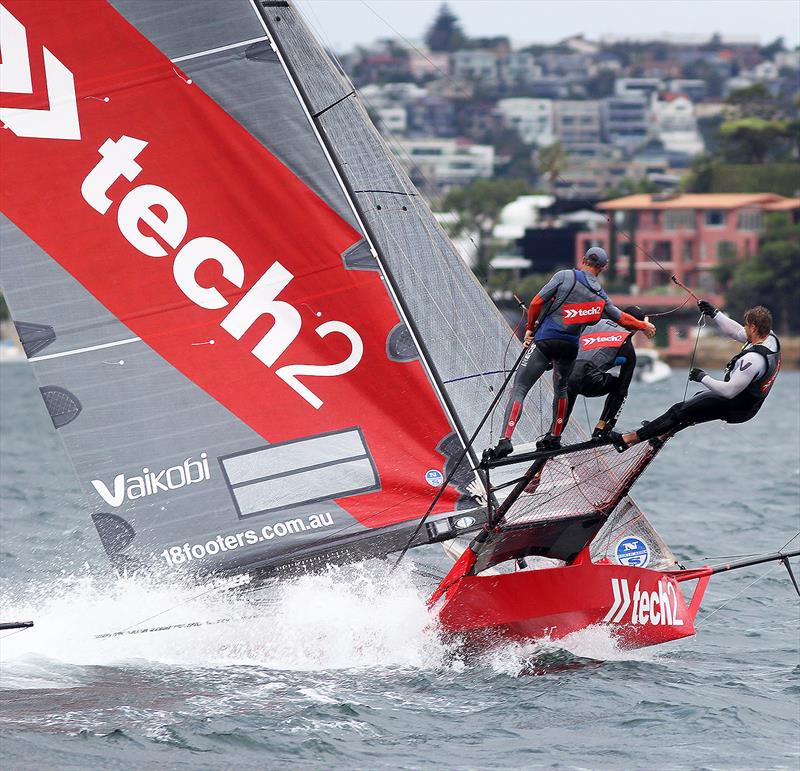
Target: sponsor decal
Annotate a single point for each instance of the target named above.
(658, 608)
(767, 384)
(463, 522)
(583, 313)
(602, 340)
(633, 552)
(434, 478)
(60, 119)
(182, 554)
(153, 482)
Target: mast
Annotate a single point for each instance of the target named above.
(426, 358)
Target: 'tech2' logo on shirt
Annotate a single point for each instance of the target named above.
(602, 340)
(583, 313)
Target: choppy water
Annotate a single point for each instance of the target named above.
(344, 669)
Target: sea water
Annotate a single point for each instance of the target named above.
(345, 669)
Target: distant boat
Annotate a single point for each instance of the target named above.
(650, 368)
(10, 351)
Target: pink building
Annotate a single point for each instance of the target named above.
(688, 234)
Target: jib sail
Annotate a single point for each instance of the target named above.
(218, 346)
(563, 504)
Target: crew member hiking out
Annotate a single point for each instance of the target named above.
(604, 346)
(739, 395)
(569, 301)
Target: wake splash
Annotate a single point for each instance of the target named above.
(359, 616)
(355, 616)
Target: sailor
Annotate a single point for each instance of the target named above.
(604, 346)
(569, 301)
(739, 395)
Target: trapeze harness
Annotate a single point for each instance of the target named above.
(748, 402)
(710, 406)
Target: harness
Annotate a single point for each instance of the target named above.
(748, 402)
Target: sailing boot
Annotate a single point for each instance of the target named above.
(504, 448)
(619, 443)
(549, 442)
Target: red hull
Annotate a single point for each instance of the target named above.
(643, 607)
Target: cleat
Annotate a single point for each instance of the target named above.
(504, 448)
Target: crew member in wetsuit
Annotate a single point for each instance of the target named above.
(603, 346)
(569, 301)
(739, 395)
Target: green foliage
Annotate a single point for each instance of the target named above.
(507, 144)
(629, 186)
(772, 277)
(756, 140)
(755, 102)
(445, 33)
(713, 176)
(725, 269)
(478, 206)
(601, 85)
(551, 161)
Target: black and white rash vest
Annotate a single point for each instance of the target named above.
(748, 401)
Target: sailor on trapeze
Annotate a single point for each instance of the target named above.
(739, 395)
(604, 346)
(569, 301)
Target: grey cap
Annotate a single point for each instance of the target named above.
(596, 256)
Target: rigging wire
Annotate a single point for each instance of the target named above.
(700, 324)
(463, 455)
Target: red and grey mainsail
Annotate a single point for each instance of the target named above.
(216, 343)
(253, 337)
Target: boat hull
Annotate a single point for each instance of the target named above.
(642, 607)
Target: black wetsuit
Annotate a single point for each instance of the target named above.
(733, 405)
(604, 345)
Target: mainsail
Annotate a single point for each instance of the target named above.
(255, 341)
(215, 342)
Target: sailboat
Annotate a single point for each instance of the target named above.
(261, 352)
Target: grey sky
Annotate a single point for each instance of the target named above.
(343, 23)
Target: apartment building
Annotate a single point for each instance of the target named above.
(688, 234)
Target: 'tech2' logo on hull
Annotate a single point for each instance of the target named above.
(583, 313)
(658, 608)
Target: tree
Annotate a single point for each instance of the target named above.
(478, 207)
(551, 161)
(772, 277)
(753, 140)
(754, 102)
(445, 33)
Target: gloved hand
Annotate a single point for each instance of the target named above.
(600, 432)
(707, 309)
(697, 374)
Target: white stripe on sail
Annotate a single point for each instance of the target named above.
(86, 350)
(217, 50)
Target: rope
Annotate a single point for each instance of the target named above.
(700, 324)
(738, 594)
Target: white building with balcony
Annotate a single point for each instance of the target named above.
(475, 65)
(445, 163)
(675, 124)
(532, 119)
